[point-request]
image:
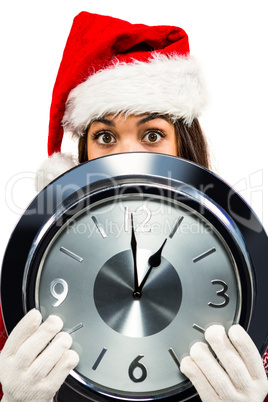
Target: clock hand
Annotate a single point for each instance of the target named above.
(133, 244)
(154, 261)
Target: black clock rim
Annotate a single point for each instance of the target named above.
(160, 166)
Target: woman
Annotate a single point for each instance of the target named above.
(125, 88)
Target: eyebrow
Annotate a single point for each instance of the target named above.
(144, 120)
(150, 117)
(104, 121)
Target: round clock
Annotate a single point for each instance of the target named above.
(137, 264)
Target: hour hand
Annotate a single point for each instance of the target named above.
(133, 244)
(154, 261)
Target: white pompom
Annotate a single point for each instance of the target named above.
(53, 167)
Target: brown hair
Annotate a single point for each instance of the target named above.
(192, 144)
(82, 148)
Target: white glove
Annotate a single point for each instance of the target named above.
(240, 375)
(36, 359)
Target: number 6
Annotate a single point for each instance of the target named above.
(135, 364)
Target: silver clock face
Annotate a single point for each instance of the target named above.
(132, 346)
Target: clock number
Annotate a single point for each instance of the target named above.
(59, 290)
(133, 366)
(221, 293)
(142, 226)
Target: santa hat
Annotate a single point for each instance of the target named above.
(112, 66)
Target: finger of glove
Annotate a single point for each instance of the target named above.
(35, 344)
(228, 356)
(58, 374)
(23, 330)
(248, 351)
(50, 356)
(199, 380)
(213, 371)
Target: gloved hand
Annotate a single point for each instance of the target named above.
(239, 377)
(36, 359)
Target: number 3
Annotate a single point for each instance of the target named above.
(221, 293)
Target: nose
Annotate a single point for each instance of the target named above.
(131, 146)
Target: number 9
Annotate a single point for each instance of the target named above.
(63, 286)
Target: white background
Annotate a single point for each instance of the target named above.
(229, 38)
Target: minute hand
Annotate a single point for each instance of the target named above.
(133, 244)
(154, 261)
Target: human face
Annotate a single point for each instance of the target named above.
(143, 133)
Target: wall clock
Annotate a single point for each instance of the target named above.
(137, 264)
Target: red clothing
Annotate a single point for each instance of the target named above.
(3, 338)
(265, 361)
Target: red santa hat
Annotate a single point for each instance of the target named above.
(110, 66)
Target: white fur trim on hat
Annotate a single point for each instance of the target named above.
(53, 167)
(169, 85)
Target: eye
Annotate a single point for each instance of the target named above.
(105, 138)
(153, 136)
